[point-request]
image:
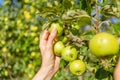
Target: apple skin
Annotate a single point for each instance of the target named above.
(64, 39)
(104, 44)
(77, 67)
(58, 47)
(69, 53)
(59, 28)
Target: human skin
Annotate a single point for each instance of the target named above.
(117, 68)
(50, 62)
(117, 71)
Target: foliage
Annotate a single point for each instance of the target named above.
(22, 21)
(19, 39)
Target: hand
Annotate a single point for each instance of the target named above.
(117, 71)
(117, 68)
(50, 62)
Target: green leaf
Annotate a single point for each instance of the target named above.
(79, 16)
(101, 74)
(116, 29)
(63, 63)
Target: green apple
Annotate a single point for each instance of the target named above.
(58, 47)
(69, 53)
(103, 44)
(59, 28)
(77, 67)
(64, 39)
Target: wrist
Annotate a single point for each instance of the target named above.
(45, 73)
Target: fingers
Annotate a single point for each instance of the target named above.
(57, 63)
(119, 40)
(44, 39)
(52, 36)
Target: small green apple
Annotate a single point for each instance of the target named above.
(77, 67)
(69, 53)
(58, 47)
(59, 28)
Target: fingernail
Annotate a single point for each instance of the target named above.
(54, 29)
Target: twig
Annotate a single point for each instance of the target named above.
(76, 40)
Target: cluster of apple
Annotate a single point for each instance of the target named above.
(68, 52)
(101, 45)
